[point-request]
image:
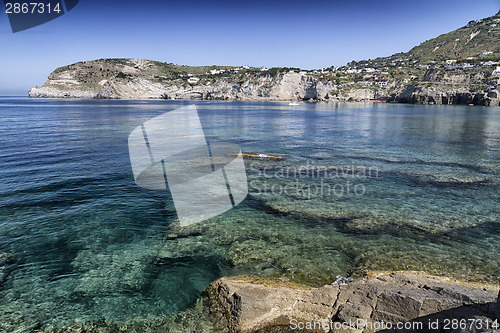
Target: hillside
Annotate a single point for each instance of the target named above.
(476, 39)
(143, 79)
(460, 67)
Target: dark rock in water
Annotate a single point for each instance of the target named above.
(444, 95)
(7, 264)
(6, 259)
(177, 235)
(246, 304)
(498, 306)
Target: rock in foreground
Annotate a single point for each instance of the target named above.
(248, 305)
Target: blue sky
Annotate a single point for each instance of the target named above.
(306, 34)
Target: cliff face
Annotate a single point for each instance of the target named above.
(444, 87)
(435, 72)
(443, 95)
(144, 79)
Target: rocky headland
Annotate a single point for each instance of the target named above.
(460, 67)
(146, 79)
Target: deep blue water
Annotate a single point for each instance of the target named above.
(89, 244)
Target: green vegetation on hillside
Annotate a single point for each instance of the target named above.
(472, 40)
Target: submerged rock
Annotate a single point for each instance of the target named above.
(437, 94)
(247, 304)
(7, 264)
(193, 320)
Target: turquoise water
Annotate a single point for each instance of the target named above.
(360, 187)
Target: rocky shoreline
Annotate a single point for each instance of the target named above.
(246, 304)
(374, 303)
(143, 79)
(146, 79)
(435, 95)
(459, 67)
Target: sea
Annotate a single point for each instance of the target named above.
(356, 187)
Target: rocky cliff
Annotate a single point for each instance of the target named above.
(435, 72)
(144, 79)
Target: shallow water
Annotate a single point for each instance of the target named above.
(361, 186)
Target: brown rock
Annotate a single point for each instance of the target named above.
(246, 305)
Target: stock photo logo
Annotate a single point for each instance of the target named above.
(171, 152)
(28, 13)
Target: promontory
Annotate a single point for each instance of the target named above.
(460, 67)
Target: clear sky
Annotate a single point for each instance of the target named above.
(306, 34)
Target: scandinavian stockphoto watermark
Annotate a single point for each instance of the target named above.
(25, 14)
(206, 179)
(312, 180)
(171, 152)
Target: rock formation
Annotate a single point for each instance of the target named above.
(144, 79)
(7, 264)
(249, 304)
(459, 67)
(442, 95)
